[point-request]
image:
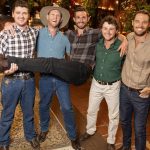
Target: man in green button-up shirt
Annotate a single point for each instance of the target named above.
(108, 62)
(106, 81)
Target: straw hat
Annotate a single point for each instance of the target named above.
(65, 15)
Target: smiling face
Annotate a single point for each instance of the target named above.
(54, 18)
(109, 31)
(141, 24)
(81, 19)
(21, 16)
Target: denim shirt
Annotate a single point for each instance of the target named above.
(48, 46)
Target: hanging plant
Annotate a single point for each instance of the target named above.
(65, 4)
(92, 8)
(130, 7)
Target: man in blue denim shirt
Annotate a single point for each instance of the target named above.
(52, 43)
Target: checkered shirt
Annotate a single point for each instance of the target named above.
(22, 44)
(83, 47)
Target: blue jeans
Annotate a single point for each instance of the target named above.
(130, 103)
(13, 91)
(48, 86)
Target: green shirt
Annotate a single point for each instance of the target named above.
(108, 62)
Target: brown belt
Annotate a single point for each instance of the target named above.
(20, 77)
(132, 89)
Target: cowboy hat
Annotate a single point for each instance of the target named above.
(65, 15)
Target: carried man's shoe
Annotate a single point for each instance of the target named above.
(4, 147)
(85, 136)
(42, 136)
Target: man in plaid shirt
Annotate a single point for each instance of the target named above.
(19, 86)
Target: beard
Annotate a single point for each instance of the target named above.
(81, 27)
(141, 33)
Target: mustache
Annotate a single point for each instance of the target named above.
(80, 22)
(140, 27)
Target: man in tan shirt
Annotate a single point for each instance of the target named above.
(135, 88)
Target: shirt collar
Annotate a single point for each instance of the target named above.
(146, 39)
(20, 30)
(112, 45)
(84, 31)
(57, 31)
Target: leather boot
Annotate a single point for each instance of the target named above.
(35, 144)
(76, 144)
(111, 146)
(4, 147)
(42, 136)
(85, 136)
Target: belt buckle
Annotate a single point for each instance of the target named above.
(102, 82)
(25, 77)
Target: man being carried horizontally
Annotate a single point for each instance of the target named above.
(71, 71)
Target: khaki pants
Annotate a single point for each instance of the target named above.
(111, 95)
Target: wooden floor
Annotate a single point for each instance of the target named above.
(79, 96)
(80, 101)
(96, 142)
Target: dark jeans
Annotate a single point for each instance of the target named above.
(130, 103)
(70, 71)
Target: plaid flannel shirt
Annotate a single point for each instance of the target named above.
(22, 44)
(83, 47)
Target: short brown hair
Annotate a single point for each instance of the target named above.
(143, 11)
(110, 20)
(20, 3)
(80, 9)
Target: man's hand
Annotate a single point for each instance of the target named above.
(124, 45)
(12, 69)
(38, 27)
(145, 93)
(9, 27)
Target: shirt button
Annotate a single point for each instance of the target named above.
(101, 67)
(106, 53)
(100, 74)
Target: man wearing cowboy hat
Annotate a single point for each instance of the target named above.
(52, 43)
